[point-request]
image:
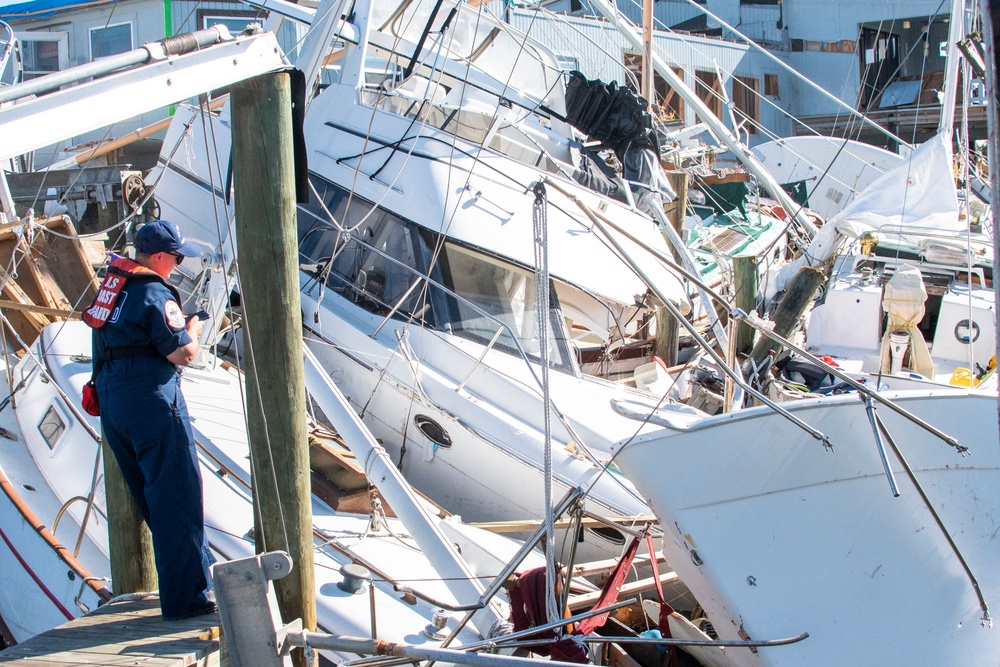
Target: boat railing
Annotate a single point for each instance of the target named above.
(89, 500)
(859, 253)
(8, 46)
(396, 308)
(502, 327)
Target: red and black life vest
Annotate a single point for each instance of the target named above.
(120, 271)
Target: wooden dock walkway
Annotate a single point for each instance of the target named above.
(123, 633)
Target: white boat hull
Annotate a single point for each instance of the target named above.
(777, 536)
(42, 583)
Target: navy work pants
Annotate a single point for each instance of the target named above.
(146, 425)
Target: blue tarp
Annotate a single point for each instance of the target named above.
(42, 8)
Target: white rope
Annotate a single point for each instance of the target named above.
(540, 227)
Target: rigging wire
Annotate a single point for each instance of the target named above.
(541, 242)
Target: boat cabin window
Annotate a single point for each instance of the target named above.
(507, 293)
(367, 254)
(388, 265)
(51, 427)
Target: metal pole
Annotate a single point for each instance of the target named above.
(171, 46)
(495, 641)
(993, 146)
(956, 33)
(414, 653)
(666, 641)
(571, 497)
(383, 648)
(880, 446)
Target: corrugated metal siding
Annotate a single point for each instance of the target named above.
(598, 50)
(760, 23)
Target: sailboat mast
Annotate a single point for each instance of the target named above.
(956, 32)
(647, 89)
(989, 37)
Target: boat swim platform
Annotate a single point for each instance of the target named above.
(124, 633)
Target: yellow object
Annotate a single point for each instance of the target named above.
(961, 377)
(868, 242)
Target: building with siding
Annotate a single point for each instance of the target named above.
(759, 91)
(885, 59)
(866, 54)
(57, 34)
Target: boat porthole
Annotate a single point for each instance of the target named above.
(966, 331)
(27, 487)
(71, 575)
(609, 534)
(434, 431)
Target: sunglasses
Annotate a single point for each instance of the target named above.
(177, 257)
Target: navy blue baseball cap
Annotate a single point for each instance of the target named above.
(164, 236)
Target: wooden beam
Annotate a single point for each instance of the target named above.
(745, 292)
(68, 263)
(793, 304)
(26, 323)
(32, 308)
(267, 237)
(130, 544)
(7, 229)
(527, 525)
(603, 567)
(587, 600)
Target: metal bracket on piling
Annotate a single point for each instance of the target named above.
(249, 609)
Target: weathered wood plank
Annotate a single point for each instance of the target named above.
(68, 263)
(26, 324)
(126, 633)
(578, 602)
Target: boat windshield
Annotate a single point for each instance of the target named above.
(391, 266)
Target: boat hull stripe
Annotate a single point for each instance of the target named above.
(31, 573)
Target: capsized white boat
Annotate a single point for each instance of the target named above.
(777, 535)
(52, 475)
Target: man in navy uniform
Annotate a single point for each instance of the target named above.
(139, 347)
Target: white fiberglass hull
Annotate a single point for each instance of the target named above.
(43, 585)
(492, 470)
(37, 594)
(777, 536)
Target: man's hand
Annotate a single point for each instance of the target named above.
(185, 354)
(194, 327)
